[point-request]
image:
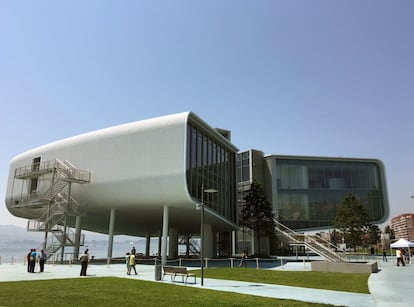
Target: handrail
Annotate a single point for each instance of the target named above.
(310, 242)
(44, 166)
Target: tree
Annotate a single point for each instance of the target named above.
(257, 212)
(374, 234)
(388, 229)
(352, 220)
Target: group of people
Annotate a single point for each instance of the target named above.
(130, 261)
(34, 257)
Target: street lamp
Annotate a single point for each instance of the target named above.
(202, 230)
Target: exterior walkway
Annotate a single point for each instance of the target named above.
(392, 286)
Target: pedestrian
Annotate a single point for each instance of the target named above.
(28, 256)
(407, 256)
(132, 264)
(133, 250)
(403, 255)
(42, 260)
(384, 255)
(400, 257)
(33, 260)
(127, 263)
(243, 262)
(84, 259)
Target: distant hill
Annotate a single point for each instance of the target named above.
(12, 233)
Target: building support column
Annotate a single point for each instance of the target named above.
(147, 245)
(187, 246)
(173, 244)
(65, 226)
(208, 241)
(164, 236)
(78, 230)
(111, 233)
(159, 246)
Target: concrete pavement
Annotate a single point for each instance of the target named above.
(392, 286)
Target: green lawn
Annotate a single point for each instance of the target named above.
(350, 282)
(113, 291)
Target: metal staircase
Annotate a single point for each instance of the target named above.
(53, 204)
(315, 243)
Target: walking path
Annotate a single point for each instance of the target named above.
(391, 286)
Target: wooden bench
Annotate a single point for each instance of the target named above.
(175, 271)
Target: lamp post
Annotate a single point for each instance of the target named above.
(202, 230)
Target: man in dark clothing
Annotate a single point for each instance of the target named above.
(84, 259)
(33, 261)
(29, 254)
(42, 259)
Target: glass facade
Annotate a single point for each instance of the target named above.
(243, 166)
(210, 164)
(309, 192)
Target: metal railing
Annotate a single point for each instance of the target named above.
(314, 243)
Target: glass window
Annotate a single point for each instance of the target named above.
(309, 192)
(211, 165)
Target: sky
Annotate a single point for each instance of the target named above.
(314, 78)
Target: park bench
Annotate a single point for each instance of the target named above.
(175, 271)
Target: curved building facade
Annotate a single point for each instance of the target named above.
(130, 179)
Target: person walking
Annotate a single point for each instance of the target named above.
(127, 256)
(84, 259)
(132, 264)
(243, 262)
(384, 255)
(400, 256)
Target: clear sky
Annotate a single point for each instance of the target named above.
(318, 78)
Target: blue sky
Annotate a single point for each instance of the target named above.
(323, 78)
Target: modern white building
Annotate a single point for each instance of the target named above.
(147, 178)
(151, 178)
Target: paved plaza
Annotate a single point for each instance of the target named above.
(391, 286)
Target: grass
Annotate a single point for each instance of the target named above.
(113, 291)
(350, 282)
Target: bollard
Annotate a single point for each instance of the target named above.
(107, 262)
(281, 263)
(0, 259)
(231, 262)
(304, 263)
(206, 265)
(179, 261)
(257, 263)
(12, 260)
(157, 270)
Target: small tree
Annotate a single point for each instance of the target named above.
(374, 234)
(388, 229)
(257, 212)
(352, 220)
